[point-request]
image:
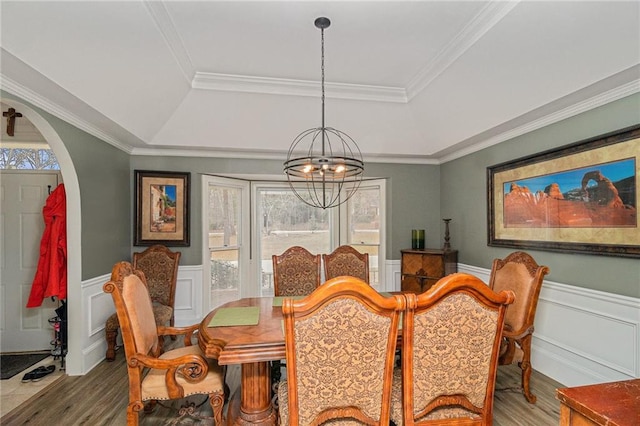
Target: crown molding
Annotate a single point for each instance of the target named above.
(291, 87)
(163, 21)
(210, 153)
(470, 34)
(270, 155)
(489, 16)
(40, 101)
(593, 102)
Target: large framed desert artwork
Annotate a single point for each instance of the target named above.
(580, 198)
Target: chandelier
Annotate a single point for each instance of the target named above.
(324, 166)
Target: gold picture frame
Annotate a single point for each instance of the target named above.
(580, 198)
(161, 208)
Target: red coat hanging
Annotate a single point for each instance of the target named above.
(51, 275)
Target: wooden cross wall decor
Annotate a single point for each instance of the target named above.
(11, 115)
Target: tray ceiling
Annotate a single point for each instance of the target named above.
(416, 81)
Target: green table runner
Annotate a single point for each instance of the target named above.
(235, 316)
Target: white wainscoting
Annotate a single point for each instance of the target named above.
(582, 336)
(97, 306)
(189, 303)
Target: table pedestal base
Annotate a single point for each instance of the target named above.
(252, 404)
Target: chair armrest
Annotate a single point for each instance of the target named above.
(192, 367)
(509, 332)
(188, 332)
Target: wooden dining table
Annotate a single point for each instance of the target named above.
(253, 347)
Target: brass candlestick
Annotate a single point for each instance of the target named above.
(446, 246)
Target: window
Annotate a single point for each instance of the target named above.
(225, 213)
(363, 222)
(28, 159)
(240, 262)
(284, 221)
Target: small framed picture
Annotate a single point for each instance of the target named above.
(162, 208)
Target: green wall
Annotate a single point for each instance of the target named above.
(103, 176)
(409, 205)
(413, 202)
(104, 180)
(464, 199)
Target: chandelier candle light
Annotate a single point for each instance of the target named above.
(324, 161)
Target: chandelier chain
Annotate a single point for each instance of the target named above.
(322, 83)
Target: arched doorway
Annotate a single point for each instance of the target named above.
(74, 261)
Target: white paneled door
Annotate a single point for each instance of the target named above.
(22, 197)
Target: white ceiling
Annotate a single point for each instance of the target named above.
(419, 81)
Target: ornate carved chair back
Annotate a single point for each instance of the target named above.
(112, 325)
(296, 272)
(345, 260)
(122, 269)
(519, 273)
(450, 346)
(160, 267)
(136, 313)
(340, 346)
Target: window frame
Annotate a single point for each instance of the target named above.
(243, 246)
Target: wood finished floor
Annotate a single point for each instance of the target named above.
(100, 398)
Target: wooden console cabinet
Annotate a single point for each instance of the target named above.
(421, 269)
(603, 404)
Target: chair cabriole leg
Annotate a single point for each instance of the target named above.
(111, 336)
(525, 365)
(216, 400)
(132, 413)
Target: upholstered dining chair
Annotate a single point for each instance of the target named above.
(519, 273)
(340, 346)
(296, 272)
(450, 346)
(174, 374)
(160, 268)
(345, 260)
